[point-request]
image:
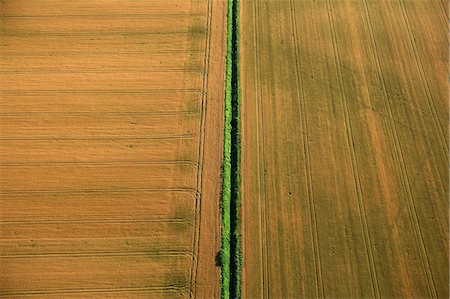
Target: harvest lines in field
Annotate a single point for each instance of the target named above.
(108, 16)
(353, 159)
(83, 92)
(261, 157)
(300, 96)
(444, 11)
(200, 155)
(344, 110)
(123, 171)
(401, 166)
(424, 80)
(153, 290)
(313, 52)
(381, 90)
(106, 253)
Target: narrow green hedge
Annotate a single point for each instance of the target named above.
(226, 169)
(236, 257)
(230, 256)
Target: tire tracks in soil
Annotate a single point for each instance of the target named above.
(201, 148)
(261, 159)
(398, 153)
(354, 162)
(307, 163)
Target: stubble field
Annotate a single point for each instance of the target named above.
(344, 149)
(110, 148)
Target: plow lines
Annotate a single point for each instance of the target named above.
(105, 137)
(344, 156)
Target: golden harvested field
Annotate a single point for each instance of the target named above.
(344, 148)
(111, 128)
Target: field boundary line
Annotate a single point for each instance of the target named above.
(398, 153)
(307, 162)
(354, 162)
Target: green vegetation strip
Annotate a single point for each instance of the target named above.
(230, 256)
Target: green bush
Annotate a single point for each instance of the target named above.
(230, 256)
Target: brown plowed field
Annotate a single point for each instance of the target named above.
(111, 129)
(345, 148)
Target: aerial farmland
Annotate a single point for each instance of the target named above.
(224, 149)
(107, 149)
(344, 149)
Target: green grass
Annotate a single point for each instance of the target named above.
(230, 256)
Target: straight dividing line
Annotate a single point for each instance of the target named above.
(398, 152)
(261, 158)
(225, 250)
(236, 156)
(230, 250)
(354, 162)
(199, 181)
(425, 83)
(307, 164)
